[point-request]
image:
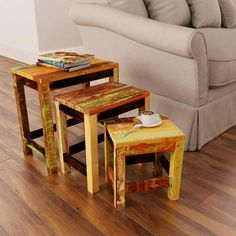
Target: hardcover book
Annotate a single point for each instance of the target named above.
(70, 69)
(67, 58)
(64, 65)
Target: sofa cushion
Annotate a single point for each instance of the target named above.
(133, 6)
(169, 11)
(205, 13)
(228, 12)
(221, 51)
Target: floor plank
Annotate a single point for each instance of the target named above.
(63, 219)
(93, 208)
(18, 218)
(3, 232)
(3, 155)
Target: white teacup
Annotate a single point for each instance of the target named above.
(149, 117)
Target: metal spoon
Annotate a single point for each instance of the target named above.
(132, 129)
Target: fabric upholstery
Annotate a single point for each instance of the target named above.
(200, 124)
(133, 6)
(169, 11)
(216, 117)
(228, 12)
(205, 13)
(221, 52)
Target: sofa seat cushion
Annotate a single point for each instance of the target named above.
(218, 92)
(221, 51)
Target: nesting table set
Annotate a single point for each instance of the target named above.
(103, 102)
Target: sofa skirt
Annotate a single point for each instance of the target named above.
(200, 124)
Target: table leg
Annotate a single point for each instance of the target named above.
(146, 106)
(176, 161)
(157, 167)
(119, 177)
(62, 133)
(91, 144)
(115, 77)
(47, 123)
(85, 85)
(108, 156)
(22, 113)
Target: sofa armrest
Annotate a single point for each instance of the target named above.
(173, 39)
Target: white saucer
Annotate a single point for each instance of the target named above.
(158, 122)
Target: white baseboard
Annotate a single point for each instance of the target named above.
(30, 57)
(18, 54)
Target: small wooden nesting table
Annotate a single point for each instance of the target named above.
(45, 79)
(166, 137)
(92, 104)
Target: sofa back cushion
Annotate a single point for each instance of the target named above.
(205, 13)
(133, 6)
(228, 12)
(169, 11)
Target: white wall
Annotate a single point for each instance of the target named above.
(18, 32)
(28, 27)
(55, 29)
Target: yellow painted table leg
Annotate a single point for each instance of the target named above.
(91, 144)
(146, 106)
(62, 134)
(176, 161)
(115, 77)
(47, 123)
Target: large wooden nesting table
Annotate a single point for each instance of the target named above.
(44, 80)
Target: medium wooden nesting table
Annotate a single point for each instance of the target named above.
(91, 105)
(44, 80)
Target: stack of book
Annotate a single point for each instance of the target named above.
(66, 61)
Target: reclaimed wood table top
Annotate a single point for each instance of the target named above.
(46, 74)
(102, 97)
(166, 132)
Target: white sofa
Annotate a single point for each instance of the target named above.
(191, 73)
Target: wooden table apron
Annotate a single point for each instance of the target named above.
(44, 86)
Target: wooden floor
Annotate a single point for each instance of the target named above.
(33, 203)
